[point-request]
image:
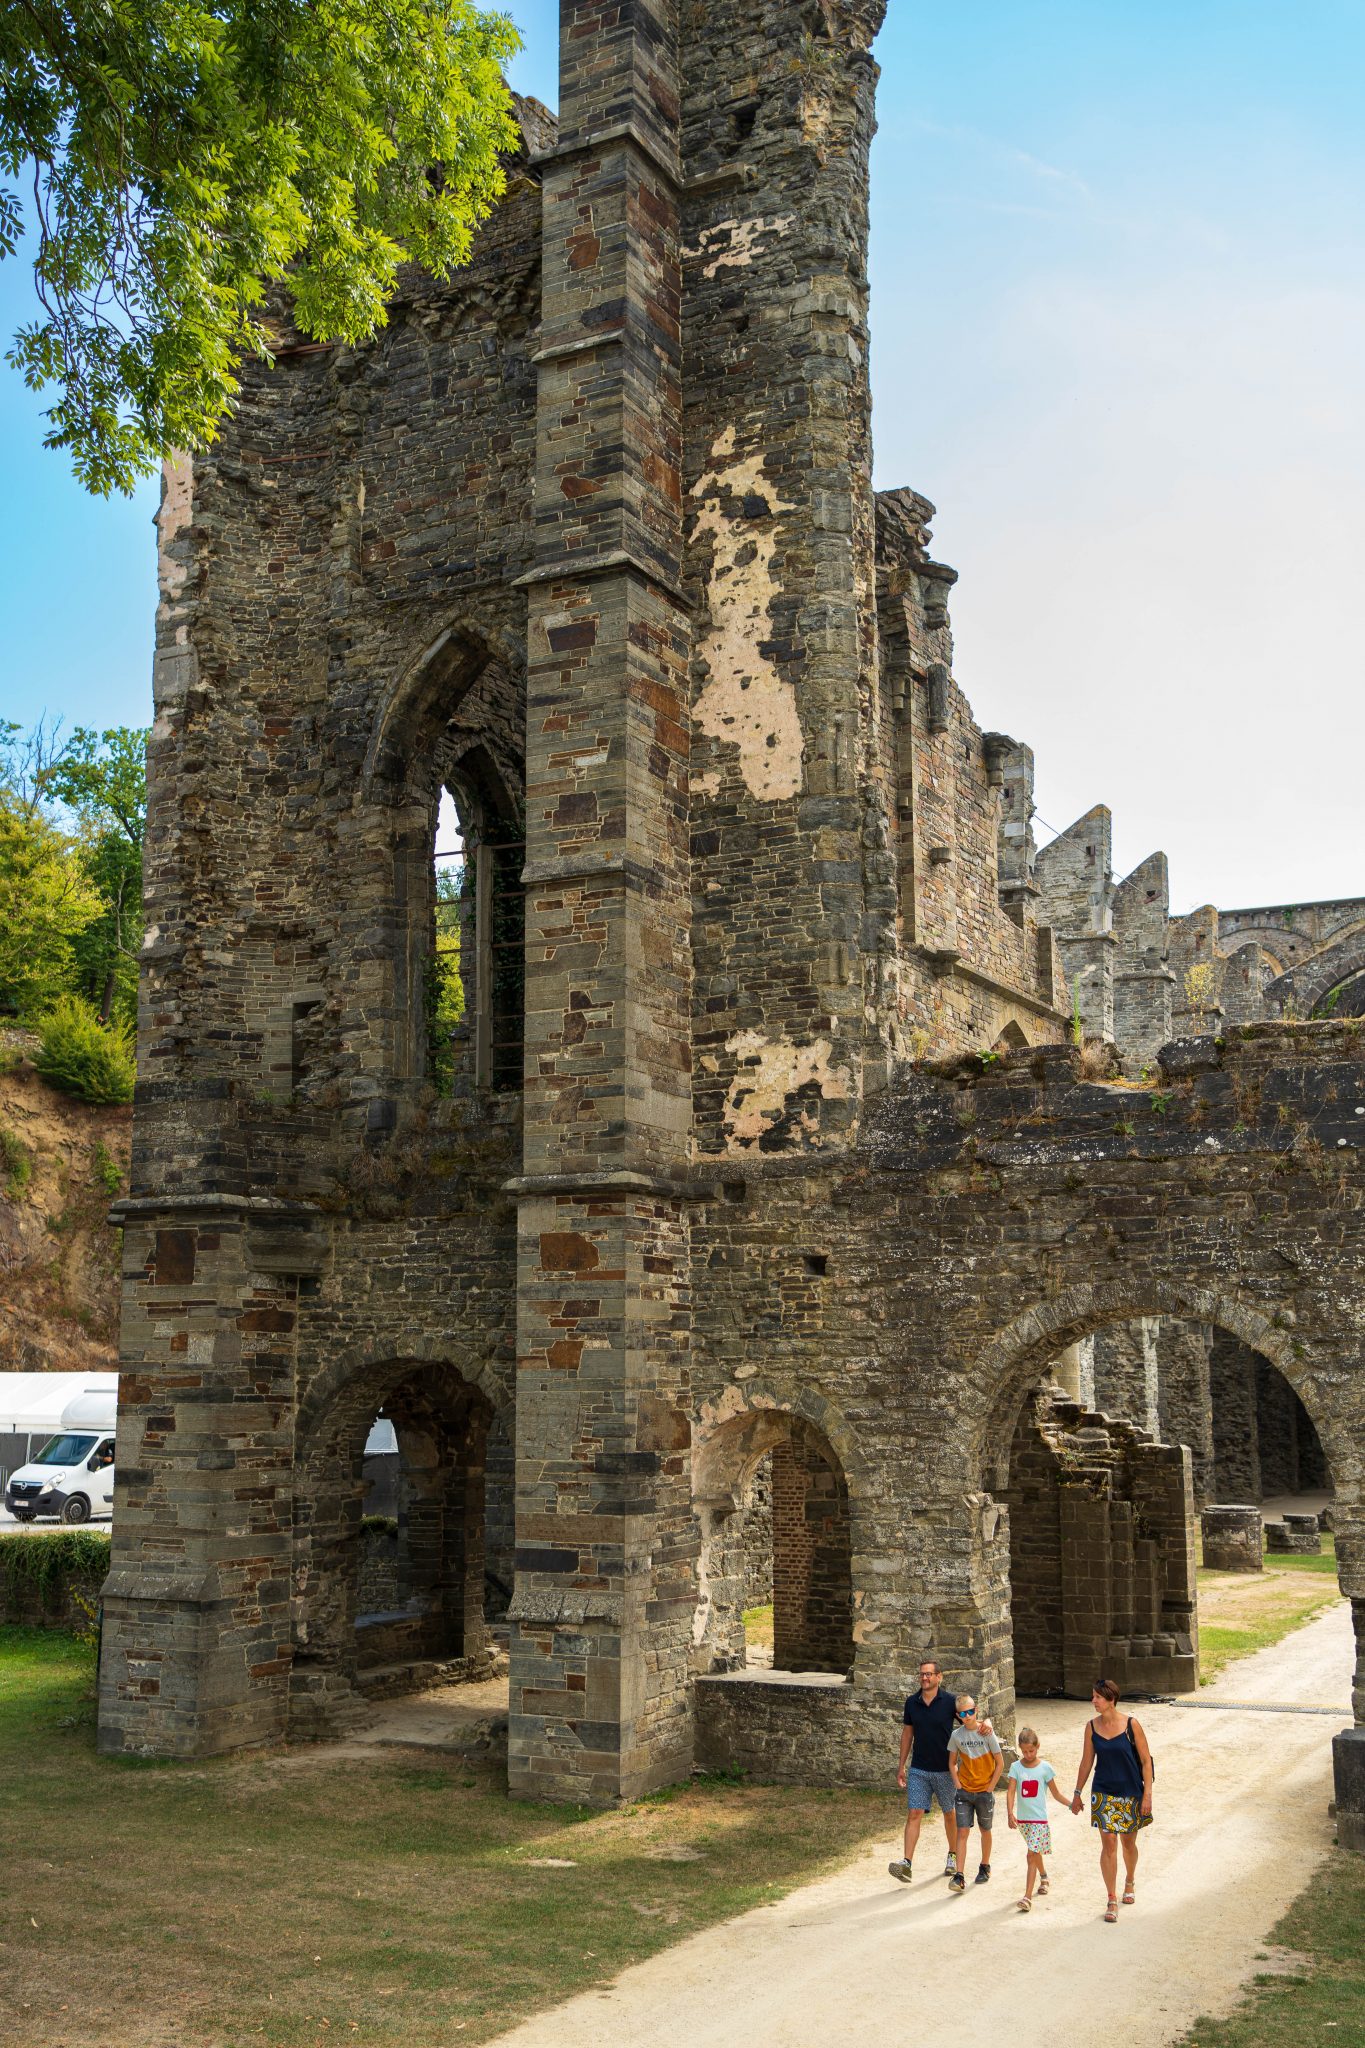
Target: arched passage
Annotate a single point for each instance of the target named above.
(790, 1537)
(441, 1421)
(1101, 1535)
(1308, 988)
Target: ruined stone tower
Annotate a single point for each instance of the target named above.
(586, 544)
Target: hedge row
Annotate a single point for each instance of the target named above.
(42, 1569)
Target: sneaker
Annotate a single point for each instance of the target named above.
(983, 1876)
(901, 1870)
(951, 1865)
(957, 1882)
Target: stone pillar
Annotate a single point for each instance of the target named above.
(1348, 1784)
(604, 1549)
(1232, 1399)
(1143, 999)
(1163, 1494)
(195, 1652)
(1087, 1579)
(1088, 963)
(1074, 1371)
(1183, 1397)
(1232, 1539)
(1126, 1372)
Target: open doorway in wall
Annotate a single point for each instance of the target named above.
(1250, 1437)
(1107, 1572)
(775, 1571)
(389, 1543)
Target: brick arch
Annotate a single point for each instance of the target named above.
(427, 690)
(386, 1366)
(716, 1436)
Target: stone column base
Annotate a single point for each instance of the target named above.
(1348, 1771)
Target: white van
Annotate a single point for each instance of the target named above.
(72, 1477)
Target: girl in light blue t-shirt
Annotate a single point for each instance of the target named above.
(1027, 1785)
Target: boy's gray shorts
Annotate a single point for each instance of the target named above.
(978, 1805)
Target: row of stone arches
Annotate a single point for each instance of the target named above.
(1079, 1525)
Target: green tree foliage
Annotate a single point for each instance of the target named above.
(445, 985)
(47, 900)
(183, 155)
(101, 779)
(84, 1057)
(71, 825)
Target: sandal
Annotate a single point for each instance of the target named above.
(1129, 1897)
(1043, 1884)
(1025, 1905)
(1111, 1911)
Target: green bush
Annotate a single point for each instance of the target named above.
(51, 1567)
(84, 1057)
(106, 1169)
(16, 1168)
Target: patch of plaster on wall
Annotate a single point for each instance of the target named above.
(758, 1094)
(733, 241)
(746, 702)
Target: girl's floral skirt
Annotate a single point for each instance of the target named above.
(1037, 1836)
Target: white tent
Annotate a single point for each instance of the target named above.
(31, 1403)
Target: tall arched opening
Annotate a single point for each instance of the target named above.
(445, 785)
(346, 1648)
(1102, 1530)
(773, 1504)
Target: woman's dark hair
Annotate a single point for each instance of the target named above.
(1107, 1690)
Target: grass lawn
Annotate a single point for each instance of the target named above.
(390, 1897)
(1318, 1992)
(1244, 1611)
(758, 1627)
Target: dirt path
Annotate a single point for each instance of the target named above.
(1241, 1819)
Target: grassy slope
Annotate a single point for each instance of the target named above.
(392, 1894)
(1240, 1612)
(1319, 1996)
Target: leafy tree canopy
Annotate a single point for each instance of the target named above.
(185, 154)
(71, 899)
(47, 900)
(102, 777)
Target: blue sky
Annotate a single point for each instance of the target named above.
(1118, 270)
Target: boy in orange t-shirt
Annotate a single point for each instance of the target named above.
(975, 1761)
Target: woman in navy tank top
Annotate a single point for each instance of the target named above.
(1121, 1798)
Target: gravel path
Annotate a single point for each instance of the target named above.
(1241, 1819)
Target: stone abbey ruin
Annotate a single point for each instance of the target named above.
(811, 1141)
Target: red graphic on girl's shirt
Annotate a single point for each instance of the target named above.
(1029, 1788)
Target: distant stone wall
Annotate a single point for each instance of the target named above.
(378, 1590)
(758, 1536)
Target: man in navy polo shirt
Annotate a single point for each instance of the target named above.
(930, 1718)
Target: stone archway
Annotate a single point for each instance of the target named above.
(1304, 989)
(809, 1531)
(442, 1420)
(1014, 1364)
